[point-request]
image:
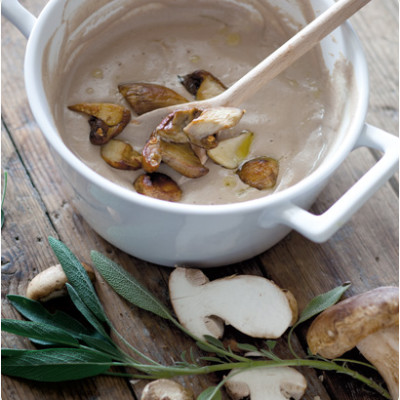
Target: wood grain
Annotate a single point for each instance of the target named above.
(39, 204)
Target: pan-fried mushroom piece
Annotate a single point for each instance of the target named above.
(202, 84)
(260, 173)
(230, 153)
(50, 283)
(251, 304)
(368, 321)
(166, 389)
(106, 121)
(275, 383)
(202, 129)
(121, 155)
(182, 158)
(151, 153)
(159, 186)
(145, 97)
(171, 127)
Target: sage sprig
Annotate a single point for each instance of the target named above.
(74, 351)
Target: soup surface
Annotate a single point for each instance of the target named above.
(293, 117)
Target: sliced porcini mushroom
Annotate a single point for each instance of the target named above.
(121, 155)
(166, 389)
(230, 153)
(151, 153)
(158, 186)
(251, 304)
(145, 97)
(260, 173)
(107, 120)
(171, 127)
(182, 158)
(272, 383)
(368, 321)
(202, 84)
(50, 283)
(202, 129)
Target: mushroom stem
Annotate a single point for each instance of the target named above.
(382, 350)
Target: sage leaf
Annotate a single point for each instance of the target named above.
(322, 302)
(102, 344)
(54, 365)
(78, 277)
(127, 286)
(85, 311)
(39, 331)
(211, 393)
(34, 311)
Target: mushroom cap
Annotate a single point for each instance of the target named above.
(339, 328)
(50, 283)
(166, 389)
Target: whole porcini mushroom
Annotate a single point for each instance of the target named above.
(166, 389)
(252, 304)
(368, 321)
(50, 283)
(272, 383)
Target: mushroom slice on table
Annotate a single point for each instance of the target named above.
(251, 304)
(145, 97)
(202, 129)
(272, 383)
(202, 84)
(50, 283)
(368, 321)
(158, 186)
(121, 155)
(107, 120)
(182, 158)
(166, 389)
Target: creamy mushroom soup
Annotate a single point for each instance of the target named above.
(293, 118)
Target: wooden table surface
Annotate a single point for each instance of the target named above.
(37, 205)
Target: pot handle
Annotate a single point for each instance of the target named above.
(320, 228)
(18, 16)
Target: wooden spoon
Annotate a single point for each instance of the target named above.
(270, 67)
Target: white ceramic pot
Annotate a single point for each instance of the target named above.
(169, 233)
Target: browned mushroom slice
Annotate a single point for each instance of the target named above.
(145, 97)
(107, 120)
(121, 155)
(202, 84)
(182, 158)
(151, 153)
(202, 129)
(171, 127)
(159, 186)
(260, 173)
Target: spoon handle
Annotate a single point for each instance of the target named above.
(289, 52)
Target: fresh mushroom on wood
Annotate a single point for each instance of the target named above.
(368, 321)
(50, 283)
(273, 383)
(166, 389)
(252, 304)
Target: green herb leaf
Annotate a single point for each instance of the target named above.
(127, 286)
(78, 278)
(3, 197)
(54, 365)
(322, 302)
(39, 331)
(34, 311)
(246, 347)
(102, 344)
(211, 393)
(85, 311)
(214, 341)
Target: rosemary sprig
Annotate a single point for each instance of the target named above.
(75, 352)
